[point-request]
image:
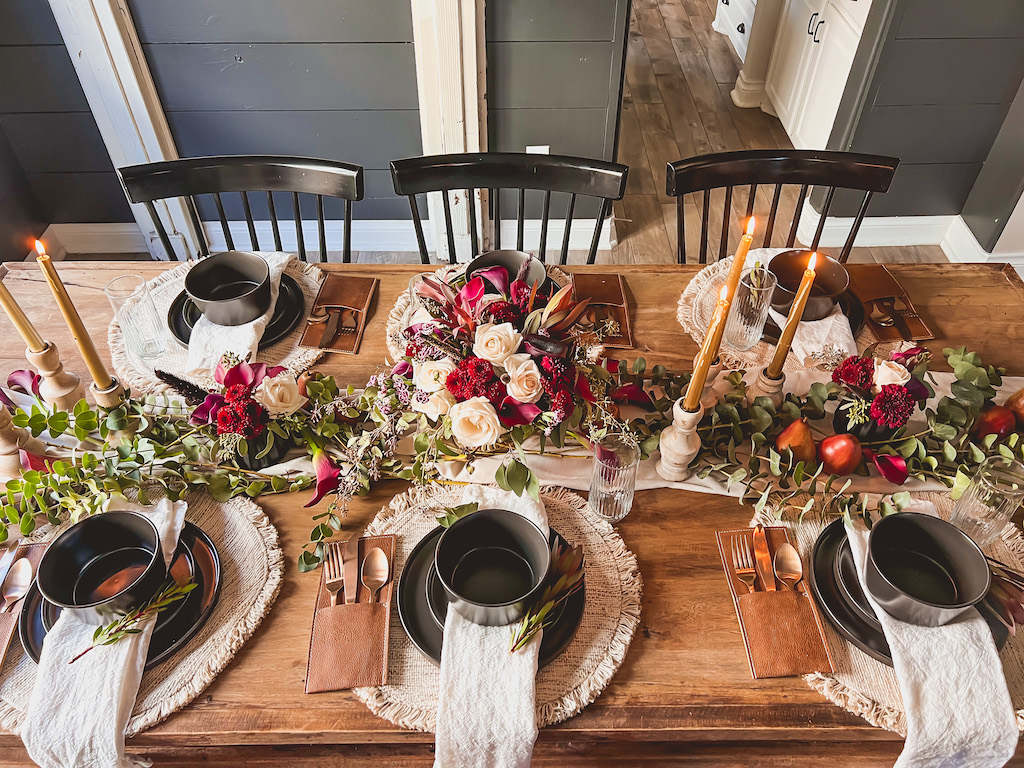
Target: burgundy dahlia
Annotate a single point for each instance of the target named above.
(856, 372)
(237, 393)
(242, 417)
(892, 406)
(505, 312)
(471, 378)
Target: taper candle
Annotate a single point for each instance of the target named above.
(20, 320)
(708, 353)
(774, 369)
(101, 378)
(736, 270)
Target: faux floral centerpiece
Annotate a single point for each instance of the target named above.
(880, 395)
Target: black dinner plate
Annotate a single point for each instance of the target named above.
(291, 306)
(425, 631)
(852, 307)
(196, 557)
(845, 606)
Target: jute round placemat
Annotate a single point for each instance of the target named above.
(869, 688)
(252, 567)
(577, 676)
(397, 317)
(138, 374)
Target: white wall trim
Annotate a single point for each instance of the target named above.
(110, 63)
(960, 245)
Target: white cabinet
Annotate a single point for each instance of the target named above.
(734, 18)
(814, 50)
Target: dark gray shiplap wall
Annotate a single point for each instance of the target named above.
(936, 97)
(316, 78)
(20, 218)
(45, 116)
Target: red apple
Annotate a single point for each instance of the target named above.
(994, 420)
(839, 454)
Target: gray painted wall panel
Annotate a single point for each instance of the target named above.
(931, 134)
(39, 79)
(284, 77)
(538, 20)
(962, 18)
(81, 197)
(567, 131)
(935, 189)
(27, 22)
(57, 142)
(305, 21)
(535, 75)
(21, 219)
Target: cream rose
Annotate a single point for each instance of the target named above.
(437, 404)
(431, 374)
(889, 372)
(475, 422)
(279, 395)
(524, 382)
(494, 343)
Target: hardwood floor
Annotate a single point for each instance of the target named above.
(676, 104)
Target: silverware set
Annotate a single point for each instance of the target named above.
(337, 320)
(16, 574)
(342, 569)
(886, 312)
(787, 566)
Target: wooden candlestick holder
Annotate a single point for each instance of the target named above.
(680, 443)
(111, 397)
(12, 440)
(767, 386)
(708, 398)
(63, 389)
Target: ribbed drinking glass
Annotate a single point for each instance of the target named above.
(750, 308)
(613, 481)
(993, 495)
(136, 313)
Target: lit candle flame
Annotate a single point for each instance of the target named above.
(723, 295)
(811, 262)
(750, 226)
(40, 249)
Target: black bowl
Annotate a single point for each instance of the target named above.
(492, 565)
(830, 280)
(512, 261)
(103, 566)
(924, 570)
(231, 288)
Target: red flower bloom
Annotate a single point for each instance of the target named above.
(237, 392)
(892, 406)
(496, 393)
(855, 372)
(242, 417)
(562, 405)
(892, 468)
(471, 378)
(505, 312)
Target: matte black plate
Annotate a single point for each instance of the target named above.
(852, 307)
(196, 556)
(848, 617)
(426, 634)
(291, 306)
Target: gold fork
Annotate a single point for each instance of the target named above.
(334, 572)
(743, 561)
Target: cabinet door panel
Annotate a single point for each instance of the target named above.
(835, 42)
(787, 71)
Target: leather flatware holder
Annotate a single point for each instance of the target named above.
(782, 631)
(607, 294)
(341, 292)
(348, 647)
(875, 281)
(9, 621)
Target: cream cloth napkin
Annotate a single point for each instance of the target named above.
(78, 712)
(210, 341)
(959, 713)
(486, 699)
(815, 335)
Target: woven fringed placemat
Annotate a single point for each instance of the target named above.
(397, 320)
(252, 567)
(869, 688)
(697, 303)
(138, 375)
(577, 676)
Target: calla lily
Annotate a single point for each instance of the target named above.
(496, 276)
(402, 368)
(328, 476)
(544, 346)
(10, 404)
(248, 374)
(917, 389)
(513, 413)
(892, 468)
(470, 295)
(34, 461)
(25, 381)
(206, 413)
(630, 393)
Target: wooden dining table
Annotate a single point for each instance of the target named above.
(683, 696)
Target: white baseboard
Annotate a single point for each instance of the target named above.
(367, 235)
(960, 245)
(875, 230)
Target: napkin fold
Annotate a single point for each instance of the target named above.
(954, 692)
(486, 701)
(210, 341)
(78, 713)
(814, 335)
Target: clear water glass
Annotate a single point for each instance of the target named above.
(993, 495)
(136, 313)
(750, 308)
(614, 477)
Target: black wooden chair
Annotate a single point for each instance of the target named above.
(246, 174)
(779, 167)
(496, 171)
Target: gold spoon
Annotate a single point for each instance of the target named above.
(788, 565)
(375, 571)
(17, 582)
(879, 316)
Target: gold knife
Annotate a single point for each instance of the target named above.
(350, 566)
(763, 559)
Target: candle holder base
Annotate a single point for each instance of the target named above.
(60, 388)
(708, 398)
(680, 443)
(768, 387)
(111, 397)
(12, 440)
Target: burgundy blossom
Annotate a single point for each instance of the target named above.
(893, 406)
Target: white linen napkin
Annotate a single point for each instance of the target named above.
(486, 702)
(954, 692)
(210, 341)
(78, 713)
(815, 335)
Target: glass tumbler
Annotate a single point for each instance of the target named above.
(993, 495)
(614, 477)
(750, 308)
(136, 314)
